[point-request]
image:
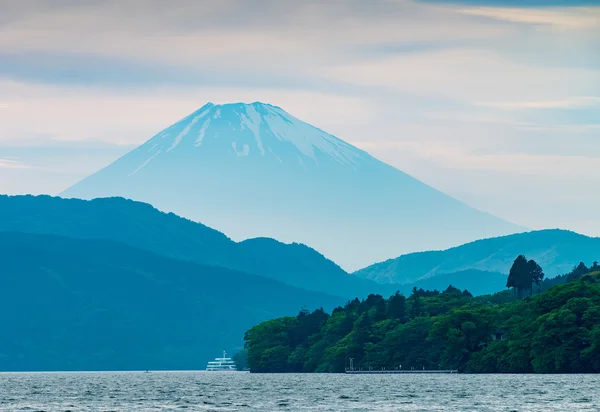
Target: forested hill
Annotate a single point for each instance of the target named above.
(556, 331)
(82, 304)
(142, 226)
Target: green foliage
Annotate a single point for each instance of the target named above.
(535, 272)
(555, 331)
(578, 272)
(241, 359)
(396, 307)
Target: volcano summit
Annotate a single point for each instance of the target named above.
(254, 170)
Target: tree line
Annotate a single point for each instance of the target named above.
(553, 331)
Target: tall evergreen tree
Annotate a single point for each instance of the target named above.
(380, 310)
(578, 272)
(518, 275)
(416, 308)
(536, 272)
(467, 294)
(397, 306)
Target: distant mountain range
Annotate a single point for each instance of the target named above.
(85, 304)
(116, 284)
(557, 251)
(479, 266)
(142, 226)
(254, 170)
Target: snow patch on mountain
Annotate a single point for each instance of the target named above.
(140, 167)
(202, 133)
(186, 130)
(276, 157)
(252, 122)
(244, 152)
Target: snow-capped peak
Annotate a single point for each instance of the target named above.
(255, 129)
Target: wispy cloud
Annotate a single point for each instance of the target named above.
(470, 75)
(568, 103)
(449, 156)
(12, 164)
(129, 117)
(565, 18)
(564, 128)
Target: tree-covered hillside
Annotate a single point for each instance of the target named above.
(142, 226)
(555, 331)
(75, 304)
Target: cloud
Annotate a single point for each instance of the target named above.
(566, 128)
(452, 92)
(313, 45)
(563, 18)
(471, 116)
(449, 155)
(127, 117)
(568, 103)
(472, 75)
(211, 36)
(12, 164)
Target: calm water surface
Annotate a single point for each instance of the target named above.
(206, 391)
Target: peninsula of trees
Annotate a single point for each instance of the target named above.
(556, 330)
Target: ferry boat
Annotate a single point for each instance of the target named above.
(221, 364)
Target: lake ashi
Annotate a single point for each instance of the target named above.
(231, 391)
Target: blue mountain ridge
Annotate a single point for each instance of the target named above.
(557, 251)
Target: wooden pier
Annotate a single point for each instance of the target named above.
(398, 371)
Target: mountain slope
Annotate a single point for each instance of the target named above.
(557, 251)
(75, 304)
(254, 170)
(142, 226)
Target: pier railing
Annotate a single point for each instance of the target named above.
(381, 371)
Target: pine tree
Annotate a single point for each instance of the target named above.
(578, 272)
(397, 306)
(415, 309)
(536, 273)
(518, 275)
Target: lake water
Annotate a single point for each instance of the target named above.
(213, 391)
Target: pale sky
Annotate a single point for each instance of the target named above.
(492, 102)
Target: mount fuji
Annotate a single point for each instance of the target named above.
(254, 170)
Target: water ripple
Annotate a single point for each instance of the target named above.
(201, 391)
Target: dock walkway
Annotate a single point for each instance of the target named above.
(383, 371)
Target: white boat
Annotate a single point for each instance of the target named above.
(221, 364)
